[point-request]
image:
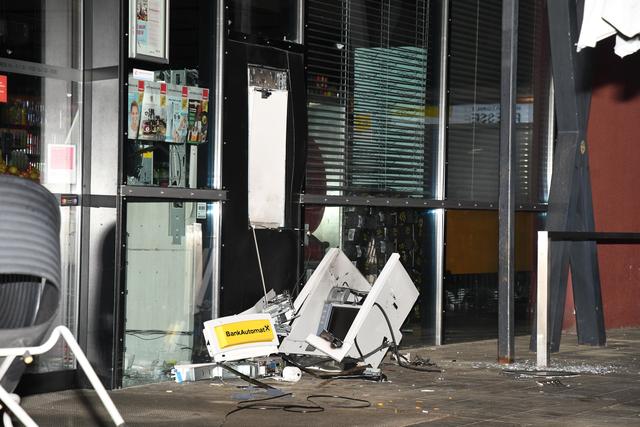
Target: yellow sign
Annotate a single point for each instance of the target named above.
(246, 332)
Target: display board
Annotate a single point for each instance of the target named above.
(149, 30)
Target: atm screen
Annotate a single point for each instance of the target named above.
(340, 320)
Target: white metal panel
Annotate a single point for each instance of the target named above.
(267, 157)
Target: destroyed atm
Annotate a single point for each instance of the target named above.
(339, 314)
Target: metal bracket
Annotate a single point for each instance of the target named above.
(176, 222)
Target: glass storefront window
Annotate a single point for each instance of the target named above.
(167, 296)
(471, 274)
(368, 236)
(372, 98)
(473, 139)
(41, 131)
(41, 127)
(169, 113)
(169, 247)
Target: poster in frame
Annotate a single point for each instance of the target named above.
(149, 30)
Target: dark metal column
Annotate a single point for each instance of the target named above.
(218, 141)
(570, 204)
(506, 208)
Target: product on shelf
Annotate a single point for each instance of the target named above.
(20, 122)
(29, 172)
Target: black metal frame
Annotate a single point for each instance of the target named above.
(331, 200)
(140, 193)
(85, 218)
(598, 237)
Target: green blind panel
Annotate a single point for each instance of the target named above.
(389, 122)
(371, 122)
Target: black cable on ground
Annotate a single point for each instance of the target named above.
(394, 347)
(297, 407)
(360, 403)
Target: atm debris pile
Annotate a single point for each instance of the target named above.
(338, 325)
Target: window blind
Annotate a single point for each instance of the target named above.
(474, 101)
(370, 118)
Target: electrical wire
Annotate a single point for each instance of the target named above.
(295, 291)
(394, 348)
(289, 407)
(298, 407)
(382, 346)
(362, 402)
(136, 333)
(145, 339)
(293, 125)
(264, 286)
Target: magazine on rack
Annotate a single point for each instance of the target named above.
(153, 117)
(198, 115)
(141, 153)
(177, 103)
(134, 103)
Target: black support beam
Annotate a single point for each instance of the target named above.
(507, 196)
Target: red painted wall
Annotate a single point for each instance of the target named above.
(613, 139)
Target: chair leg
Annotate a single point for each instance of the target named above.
(6, 420)
(7, 400)
(6, 416)
(91, 375)
(5, 365)
(66, 334)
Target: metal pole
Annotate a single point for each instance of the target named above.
(217, 161)
(441, 168)
(506, 204)
(300, 22)
(542, 301)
